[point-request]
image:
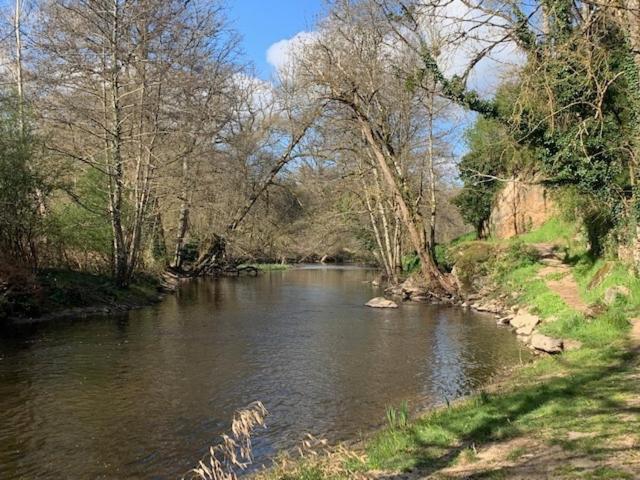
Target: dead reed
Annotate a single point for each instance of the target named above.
(234, 453)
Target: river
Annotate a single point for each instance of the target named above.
(142, 395)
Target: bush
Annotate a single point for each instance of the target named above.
(19, 290)
(411, 263)
(473, 262)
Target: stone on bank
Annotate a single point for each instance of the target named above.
(381, 302)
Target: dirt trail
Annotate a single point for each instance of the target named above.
(635, 334)
(558, 277)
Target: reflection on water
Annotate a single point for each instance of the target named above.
(142, 395)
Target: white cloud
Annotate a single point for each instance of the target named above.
(281, 54)
(259, 94)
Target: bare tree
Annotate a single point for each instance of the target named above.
(110, 74)
(352, 66)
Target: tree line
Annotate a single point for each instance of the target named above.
(134, 137)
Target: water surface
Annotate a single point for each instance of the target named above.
(141, 395)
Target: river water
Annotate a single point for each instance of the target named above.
(142, 395)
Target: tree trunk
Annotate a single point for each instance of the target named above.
(183, 220)
(120, 267)
(432, 183)
(376, 231)
(428, 266)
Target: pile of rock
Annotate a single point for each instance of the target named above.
(525, 325)
(413, 289)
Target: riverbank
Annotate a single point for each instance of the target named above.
(61, 294)
(571, 415)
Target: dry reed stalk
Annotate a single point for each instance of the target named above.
(315, 454)
(234, 453)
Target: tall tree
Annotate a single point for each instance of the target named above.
(110, 72)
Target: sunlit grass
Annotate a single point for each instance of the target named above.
(581, 391)
(556, 230)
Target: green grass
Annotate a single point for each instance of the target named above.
(467, 237)
(555, 230)
(586, 268)
(584, 391)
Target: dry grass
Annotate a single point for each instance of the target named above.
(316, 460)
(234, 454)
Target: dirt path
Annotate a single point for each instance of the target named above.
(558, 277)
(635, 334)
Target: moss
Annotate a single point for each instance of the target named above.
(473, 260)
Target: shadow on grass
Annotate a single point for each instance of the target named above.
(580, 396)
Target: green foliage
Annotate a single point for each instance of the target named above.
(19, 185)
(472, 260)
(479, 170)
(398, 418)
(410, 263)
(443, 257)
(493, 155)
(84, 229)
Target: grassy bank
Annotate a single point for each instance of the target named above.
(51, 293)
(575, 415)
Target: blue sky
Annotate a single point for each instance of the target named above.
(263, 23)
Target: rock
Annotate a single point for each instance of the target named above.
(395, 290)
(464, 305)
(413, 287)
(524, 338)
(525, 323)
(504, 321)
(522, 204)
(571, 345)
(381, 302)
(612, 293)
(419, 298)
(546, 344)
(489, 307)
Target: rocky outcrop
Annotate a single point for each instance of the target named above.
(413, 288)
(381, 302)
(521, 206)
